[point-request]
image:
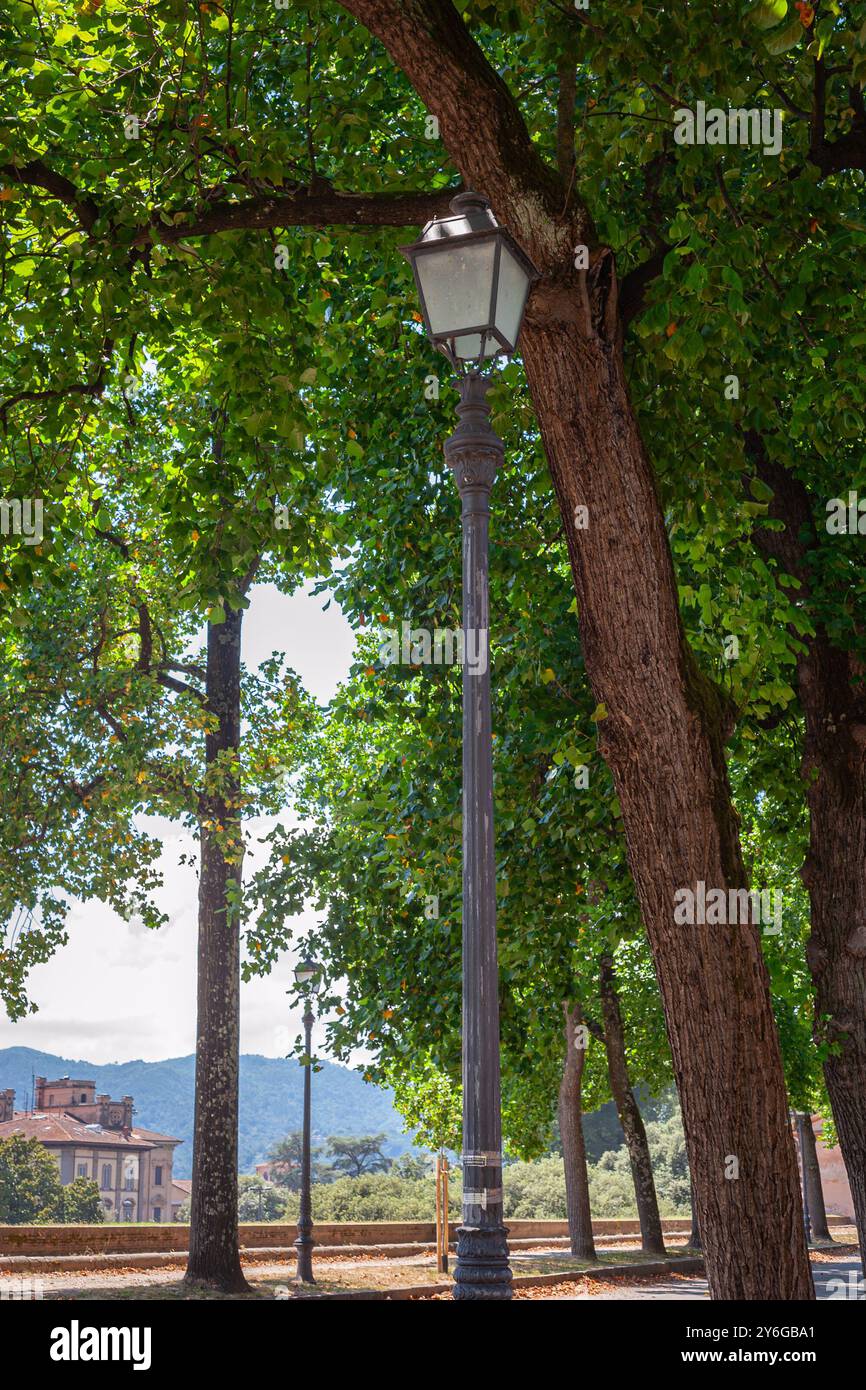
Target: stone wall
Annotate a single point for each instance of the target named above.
(120, 1238)
(131, 1239)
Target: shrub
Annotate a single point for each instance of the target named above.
(79, 1204)
(30, 1188)
(259, 1201)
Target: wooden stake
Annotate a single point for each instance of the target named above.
(439, 1265)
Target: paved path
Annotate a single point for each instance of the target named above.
(837, 1279)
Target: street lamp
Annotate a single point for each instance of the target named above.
(307, 977)
(473, 281)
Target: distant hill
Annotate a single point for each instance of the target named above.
(271, 1099)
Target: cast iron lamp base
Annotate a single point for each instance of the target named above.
(482, 1270)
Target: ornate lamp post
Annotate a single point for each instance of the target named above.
(306, 975)
(473, 281)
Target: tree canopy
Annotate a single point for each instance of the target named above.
(214, 373)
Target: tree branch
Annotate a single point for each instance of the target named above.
(816, 135)
(565, 106)
(325, 207)
(77, 388)
(790, 504)
(632, 290)
(188, 668)
(480, 123)
(38, 175)
(179, 687)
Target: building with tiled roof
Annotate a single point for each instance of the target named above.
(92, 1136)
(181, 1195)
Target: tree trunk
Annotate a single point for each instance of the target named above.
(630, 1117)
(664, 729)
(573, 1146)
(663, 736)
(214, 1259)
(695, 1236)
(831, 690)
(834, 873)
(812, 1175)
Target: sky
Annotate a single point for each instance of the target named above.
(119, 992)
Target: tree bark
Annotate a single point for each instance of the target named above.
(695, 1236)
(814, 1188)
(214, 1258)
(573, 1146)
(664, 730)
(833, 700)
(652, 1238)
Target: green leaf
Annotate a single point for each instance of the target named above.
(760, 491)
(785, 39)
(768, 12)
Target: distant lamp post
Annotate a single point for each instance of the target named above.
(473, 281)
(307, 977)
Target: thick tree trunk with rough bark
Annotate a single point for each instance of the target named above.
(213, 1250)
(834, 763)
(664, 732)
(814, 1187)
(663, 738)
(573, 1146)
(629, 1114)
(835, 875)
(833, 699)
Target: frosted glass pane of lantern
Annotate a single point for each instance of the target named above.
(468, 347)
(456, 283)
(513, 287)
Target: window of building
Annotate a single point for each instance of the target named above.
(82, 1170)
(157, 1175)
(50, 1100)
(157, 1213)
(106, 1175)
(83, 1097)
